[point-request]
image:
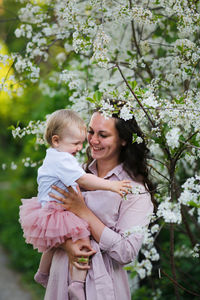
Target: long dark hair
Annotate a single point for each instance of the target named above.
(133, 155)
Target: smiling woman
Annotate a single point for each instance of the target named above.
(112, 156)
(105, 143)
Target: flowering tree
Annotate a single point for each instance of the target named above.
(147, 54)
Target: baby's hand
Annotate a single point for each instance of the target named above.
(121, 187)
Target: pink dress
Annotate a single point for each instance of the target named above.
(106, 278)
(49, 226)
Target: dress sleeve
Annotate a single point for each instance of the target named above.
(134, 212)
(68, 169)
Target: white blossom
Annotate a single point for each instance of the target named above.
(172, 137)
(13, 166)
(191, 192)
(169, 211)
(125, 113)
(154, 228)
(4, 166)
(196, 251)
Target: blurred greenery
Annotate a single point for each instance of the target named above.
(20, 182)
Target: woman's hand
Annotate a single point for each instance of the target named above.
(79, 252)
(72, 200)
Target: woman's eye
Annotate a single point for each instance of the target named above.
(90, 132)
(103, 136)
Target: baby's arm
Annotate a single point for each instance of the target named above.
(92, 182)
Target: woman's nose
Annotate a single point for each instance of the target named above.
(94, 139)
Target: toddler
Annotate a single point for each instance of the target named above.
(45, 223)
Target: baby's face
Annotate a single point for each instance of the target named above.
(72, 141)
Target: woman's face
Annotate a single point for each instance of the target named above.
(103, 138)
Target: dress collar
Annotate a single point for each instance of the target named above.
(115, 171)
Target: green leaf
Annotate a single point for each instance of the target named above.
(97, 96)
(132, 84)
(90, 99)
(11, 127)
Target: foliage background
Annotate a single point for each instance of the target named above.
(19, 182)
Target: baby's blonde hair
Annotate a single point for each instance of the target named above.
(60, 120)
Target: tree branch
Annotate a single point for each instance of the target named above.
(178, 154)
(178, 285)
(133, 93)
(172, 262)
(189, 233)
(158, 172)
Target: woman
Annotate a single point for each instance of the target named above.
(113, 157)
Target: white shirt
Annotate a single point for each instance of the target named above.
(60, 169)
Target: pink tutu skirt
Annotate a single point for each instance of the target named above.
(49, 226)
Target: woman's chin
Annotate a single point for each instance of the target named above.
(97, 153)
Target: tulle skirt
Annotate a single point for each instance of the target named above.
(49, 226)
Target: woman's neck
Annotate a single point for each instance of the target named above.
(103, 167)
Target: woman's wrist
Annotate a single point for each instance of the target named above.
(85, 214)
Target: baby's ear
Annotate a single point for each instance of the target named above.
(55, 140)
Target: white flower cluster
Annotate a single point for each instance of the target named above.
(24, 64)
(143, 268)
(5, 59)
(169, 211)
(150, 253)
(136, 190)
(139, 231)
(73, 79)
(188, 17)
(196, 251)
(61, 58)
(24, 30)
(106, 108)
(150, 100)
(3, 166)
(190, 195)
(172, 137)
(35, 128)
(100, 50)
(32, 14)
(12, 166)
(27, 162)
(80, 44)
(183, 251)
(145, 47)
(125, 112)
(139, 14)
(142, 15)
